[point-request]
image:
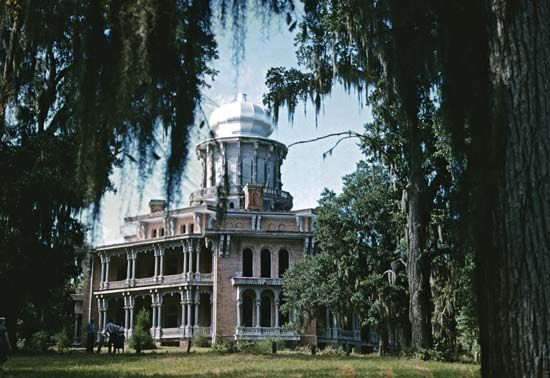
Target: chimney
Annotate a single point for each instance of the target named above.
(156, 205)
(253, 197)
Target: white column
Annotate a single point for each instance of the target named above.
(161, 258)
(188, 307)
(99, 314)
(159, 315)
(154, 308)
(134, 258)
(128, 266)
(126, 318)
(104, 312)
(198, 258)
(190, 267)
(182, 303)
(131, 307)
(155, 254)
(107, 260)
(239, 309)
(102, 277)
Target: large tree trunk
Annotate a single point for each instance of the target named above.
(513, 250)
(418, 263)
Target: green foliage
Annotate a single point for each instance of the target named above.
(39, 342)
(355, 233)
(62, 340)
(141, 337)
(228, 345)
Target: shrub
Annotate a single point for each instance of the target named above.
(430, 355)
(38, 342)
(62, 340)
(225, 346)
(201, 341)
(141, 337)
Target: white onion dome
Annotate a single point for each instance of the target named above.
(241, 118)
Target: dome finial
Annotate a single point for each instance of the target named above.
(241, 97)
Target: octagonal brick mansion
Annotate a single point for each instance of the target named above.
(214, 268)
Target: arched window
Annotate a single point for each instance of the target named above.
(154, 233)
(247, 263)
(191, 228)
(161, 233)
(182, 229)
(283, 262)
(265, 263)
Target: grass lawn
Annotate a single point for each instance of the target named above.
(171, 362)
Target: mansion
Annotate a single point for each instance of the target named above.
(215, 268)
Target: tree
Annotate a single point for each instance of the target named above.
(487, 63)
(83, 86)
(356, 236)
(141, 337)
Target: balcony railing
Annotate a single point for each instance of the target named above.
(181, 278)
(264, 332)
(256, 281)
(182, 332)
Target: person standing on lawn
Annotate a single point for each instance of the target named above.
(4, 344)
(111, 328)
(90, 332)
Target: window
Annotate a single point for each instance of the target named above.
(247, 263)
(231, 205)
(154, 233)
(161, 232)
(283, 262)
(191, 228)
(265, 263)
(182, 229)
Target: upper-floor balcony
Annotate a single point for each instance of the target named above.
(174, 279)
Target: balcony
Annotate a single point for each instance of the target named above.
(174, 279)
(256, 281)
(264, 332)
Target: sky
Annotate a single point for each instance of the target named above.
(304, 173)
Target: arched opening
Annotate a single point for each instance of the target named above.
(115, 311)
(248, 308)
(145, 264)
(161, 232)
(182, 229)
(118, 265)
(171, 310)
(154, 233)
(283, 262)
(247, 263)
(265, 263)
(191, 228)
(205, 310)
(266, 309)
(231, 205)
(173, 261)
(143, 303)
